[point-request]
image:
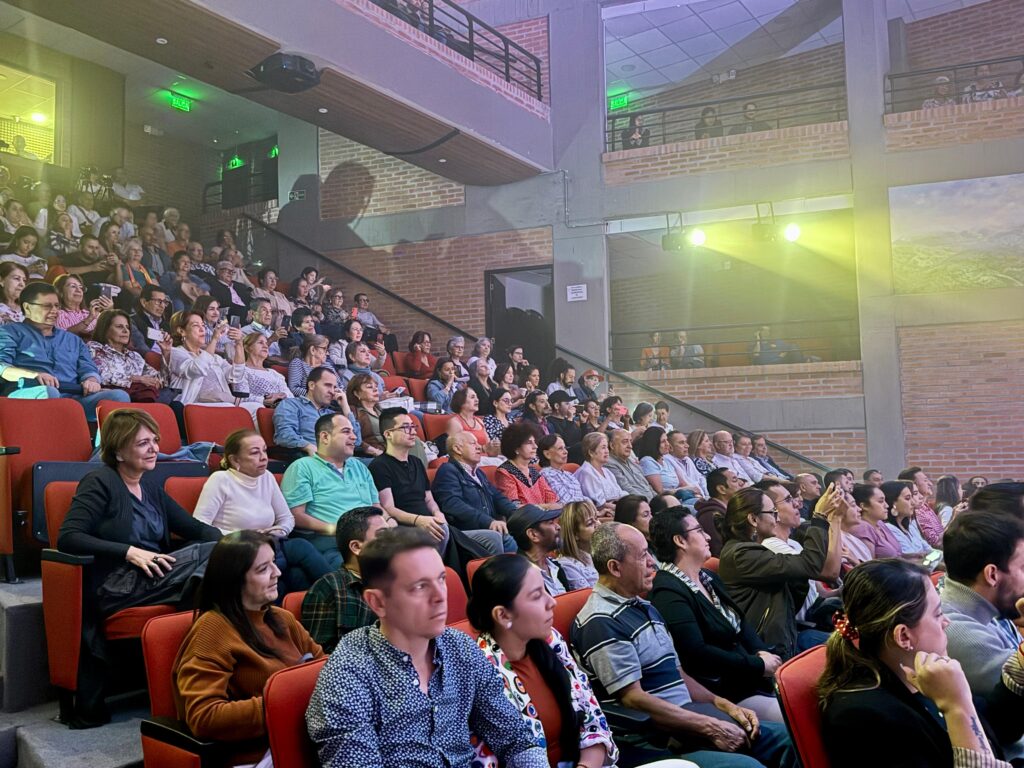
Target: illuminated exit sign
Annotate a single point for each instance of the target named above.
(618, 102)
(181, 103)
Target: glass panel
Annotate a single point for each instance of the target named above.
(28, 108)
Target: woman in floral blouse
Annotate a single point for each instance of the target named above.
(514, 614)
(119, 366)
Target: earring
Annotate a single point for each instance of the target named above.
(509, 625)
(119, 458)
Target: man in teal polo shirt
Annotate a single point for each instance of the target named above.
(322, 487)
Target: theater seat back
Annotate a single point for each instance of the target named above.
(161, 640)
(170, 437)
(796, 684)
(185, 491)
(435, 424)
(57, 499)
(567, 605)
(293, 604)
(213, 425)
(457, 598)
(285, 698)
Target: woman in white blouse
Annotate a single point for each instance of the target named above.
(598, 484)
(266, 387)
(245, 496)
(202, 377)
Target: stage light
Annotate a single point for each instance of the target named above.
(38, 117)
(791, 232)
(697, 237)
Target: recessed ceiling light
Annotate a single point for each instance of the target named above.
(38, 117)
(161, 41)
(442, 160)
(322, 110)
(215, 141)
(628, 67)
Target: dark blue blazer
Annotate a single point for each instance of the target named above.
(467, 505)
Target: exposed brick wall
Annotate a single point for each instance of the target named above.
(383, 184)
(833, 448)
(955, 124)
(983, 31)
(171, 171)
(801, 144)
(532, 34)
(423, 42)
(963, 389)
(445, 277)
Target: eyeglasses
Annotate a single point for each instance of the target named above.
(688, 531)
(772, 512)
(407, 428)
(47, 307)
(787, 499)
(159, 301)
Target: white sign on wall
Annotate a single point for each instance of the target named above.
(576, 292)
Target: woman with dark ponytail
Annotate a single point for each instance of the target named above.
(889, 693)
(238, 640)
(513, 613)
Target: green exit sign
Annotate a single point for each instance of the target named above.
(235, 162)
(618, 102)
(181, 103)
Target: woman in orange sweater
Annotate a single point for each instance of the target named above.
(238, 640)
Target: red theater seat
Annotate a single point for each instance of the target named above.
(170, 438)
(566, 607)
(435, 424)
(796, 683)
(285, 698)
(293, 604)
(185, 491)
(418, 389)
(213, 425)
(457, 598)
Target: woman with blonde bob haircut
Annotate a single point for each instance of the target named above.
(578, 522)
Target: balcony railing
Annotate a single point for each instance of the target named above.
(473, 38)
(825, 340)
(774, 109)
(953, 84)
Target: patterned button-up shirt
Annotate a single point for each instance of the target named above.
(333, 606)
(368, 711)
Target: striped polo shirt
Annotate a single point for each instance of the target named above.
(619, 640)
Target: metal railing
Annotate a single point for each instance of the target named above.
(474, 38)
(810, 340)
(213, 193)
(686, 122)
(708, 421)
(923, 88)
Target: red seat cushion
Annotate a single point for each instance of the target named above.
(128, 624)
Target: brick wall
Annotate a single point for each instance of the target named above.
(833, 448)
(955, 124)
(355, 176)
(983, 31)
(532, 34)
(423, 42)
(171, 171)
(445, 277)
(963, 386)
(801, 144)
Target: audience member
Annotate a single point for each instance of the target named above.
(553, 458)
(202, 376)
(46, 215)
(901, 522)
(636, 511)
(403, 487)
(232, 296)
(301, 324)
(999, 497)
(624, 468)
(238, 640)
(688, 476)
(983, 587)
(517, 358)
(456, 348)
(148, 326)
(709, 633)
(500, 418)
(949, 499)
(585, 387)
(943, 95)
(561, 422)
(85, 214)
(22, 251)
(873, 477)
(442, 386)
(889, 693)
(709, 126)
(131, 275)
(281, 308)
(927, 519)
(661, 416)
(635, 136)
(310, 354)
(37, 351)
(266, 387)
(13, 279)
(536, 411)
(841, 478)
(656, 357)
(722, 484)
(364, 711)
(335, 313)
(119, 366)
(620, 641)
(75, 315)
(365, 316)
(468, 500)
(154, 258)
(855, 550)
(810, 492)
(261, 320)
(597, 481)
(517, 477)
(565, 380)
(529, 379)
(683, 355)
(725, 455)
(61, 237)
(653, 449)
(124, 521)
(419, 363)
(182, 240)
(702, 451)
(322, 487)
(364, 401)
(750, 122)
(351, 332)
(984, 87)
(874, 513)
(769, 587)
(334, 605)
(577, 524)
(178, 283)
(358, 359)
(537, 534)
(590, 417)
(768, 351)
(465, 404)
(295, 418)
(482, 351)
(643, 415)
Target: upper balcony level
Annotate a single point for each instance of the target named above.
(421, 80)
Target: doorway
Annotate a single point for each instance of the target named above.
(520, 309)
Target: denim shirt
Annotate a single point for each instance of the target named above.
(62, 354)
(367, 709)
(295, 421)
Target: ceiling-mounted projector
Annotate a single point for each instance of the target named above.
(287, 72)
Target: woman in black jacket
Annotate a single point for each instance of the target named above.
(714, 642)
(125, 522)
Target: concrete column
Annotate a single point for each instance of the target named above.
(867, 62)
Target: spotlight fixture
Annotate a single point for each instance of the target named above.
(679, 240)
(791, 232)
(697, 237)
(161, 41)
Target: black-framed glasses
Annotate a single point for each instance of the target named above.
(688, 531)
(772, 512)
(47, 307)
(787, 499)
(409, 428)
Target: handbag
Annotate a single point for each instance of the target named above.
(127, 586)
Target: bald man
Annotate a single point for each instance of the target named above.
(725, 455)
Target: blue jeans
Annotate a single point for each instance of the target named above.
(809, 638)
(773, 749)
(300, 564)
(89, 402)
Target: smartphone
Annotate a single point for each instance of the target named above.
(154, 334)
(236, 321)
(286, 322)
(399, 391)
(106, 291)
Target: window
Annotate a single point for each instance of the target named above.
(28, 108)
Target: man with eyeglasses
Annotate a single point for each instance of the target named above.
(401, 479)
(820, 603)
(36, 352)
(148, 325)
